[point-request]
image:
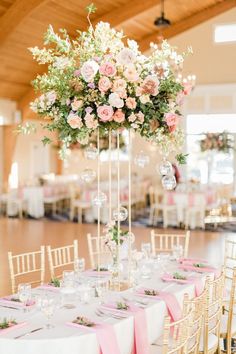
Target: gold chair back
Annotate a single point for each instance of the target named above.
(166, 242)
(61, 257)
(97, 251)
(21, 265)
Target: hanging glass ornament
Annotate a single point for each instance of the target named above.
(120, 214)
(141, 159)
(99, 199)
(88, 175)
(91, 152)
(165, 168)
(168, 182)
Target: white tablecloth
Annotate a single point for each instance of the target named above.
(69, 340)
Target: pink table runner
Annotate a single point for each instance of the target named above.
(16, 326)
(189, 280)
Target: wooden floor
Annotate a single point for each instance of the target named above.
(21, 236)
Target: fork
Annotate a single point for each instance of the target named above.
(28, 333)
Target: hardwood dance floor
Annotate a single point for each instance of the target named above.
(21, 236)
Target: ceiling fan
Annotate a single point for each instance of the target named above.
(161, 21)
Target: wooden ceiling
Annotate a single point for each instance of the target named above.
(23, 23)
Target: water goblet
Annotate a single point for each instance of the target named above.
(79, 265)
(48, 305)
(177, 252)
(24, 294)
(146, 249)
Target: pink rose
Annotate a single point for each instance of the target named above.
(76, 104)
(172, 120)
(131, 74)
(90, 121)
(119, 86)
(105, 113)
(131, 103)
(104, 84)
(132, 118)
(187, 88)
(89, 69)
(140, 116)
(180, 98)
(74, 121)
(107, 69)
(150, 85)
(118, 116)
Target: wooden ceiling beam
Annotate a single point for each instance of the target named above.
(126, 12)
(17, 13)
(188, 23)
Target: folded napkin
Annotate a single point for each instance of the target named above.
(141, 345)
(199, 287)
(16, 326)
(206, 269)
(7, 300)
(171, 302)
(105, 335)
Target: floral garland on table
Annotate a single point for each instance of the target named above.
(97, 82)
(216, 141)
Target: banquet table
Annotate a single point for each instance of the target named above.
(63, 338)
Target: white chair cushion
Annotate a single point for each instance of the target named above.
(212, 342)
(223, 325)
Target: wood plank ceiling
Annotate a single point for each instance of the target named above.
(23, 22)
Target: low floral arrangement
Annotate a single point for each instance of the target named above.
(15, 299)
(199, 265)
(151, 292)
(216, 141)
(101, 269)
(83, 321)
(179, 276)
(101, 80)
(6, 323)
(122, 306)
(55, 282)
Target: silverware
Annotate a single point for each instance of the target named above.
(10, 307)
(28, 333)
(109, 314)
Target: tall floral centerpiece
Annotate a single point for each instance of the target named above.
(99, 83)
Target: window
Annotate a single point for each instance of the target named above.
(225, 33)
(210, 166)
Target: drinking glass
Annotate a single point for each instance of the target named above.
(48, 306)
(145, 270)
(177, 252)
(79, 265)
(24, 294)
(146, 249)
(101, 287)
(85, 293)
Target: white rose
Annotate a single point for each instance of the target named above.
(76, 104)
(144, 99)
(115, 100)
(126, 56)
(89, 69)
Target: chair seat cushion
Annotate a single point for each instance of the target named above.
(223, 325)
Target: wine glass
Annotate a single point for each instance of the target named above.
(146, 249)
(177, 252)
(48, 305)
(79, 265)
(24, 294)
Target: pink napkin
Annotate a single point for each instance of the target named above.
(207, 269)
(171, 302)
(105, 335)
(192, 260)
(8, 302)
(18, 325)
(140, 327)
(189, 280)
(96, 273)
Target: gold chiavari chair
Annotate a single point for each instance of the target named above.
(61, 257)
(176, 334)
(229, 264)
(25, 264)
(228, 321)
(93, 246)
(166, 242)
(210, 341)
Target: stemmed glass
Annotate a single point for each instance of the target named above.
(48, 305)
(177, 252)
(79, 265)
(146, 249)
(24, 294)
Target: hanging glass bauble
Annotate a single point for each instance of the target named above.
(141, 159)
(91, 152)
(168, 182)
(99, 199)
(88, 175)
(165, 168)
(120, 214)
